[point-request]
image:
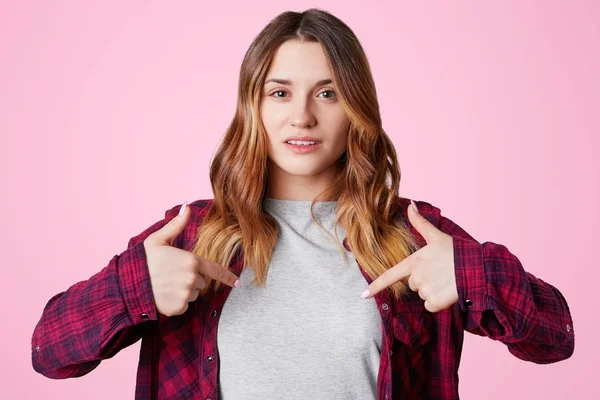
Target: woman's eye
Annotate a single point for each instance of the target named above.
(331, 92)
(279, 91)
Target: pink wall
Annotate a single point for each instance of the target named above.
(111, 112)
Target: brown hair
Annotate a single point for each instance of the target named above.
(365, 189)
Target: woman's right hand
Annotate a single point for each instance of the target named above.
(177, 275)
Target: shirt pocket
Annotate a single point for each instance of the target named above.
(412, 323)
(412, 351)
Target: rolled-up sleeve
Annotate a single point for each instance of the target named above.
(502, 301)
(94, 319)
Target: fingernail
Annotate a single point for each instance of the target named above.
(414, 205)
(237, 283)
(182, 209)
(365, 294)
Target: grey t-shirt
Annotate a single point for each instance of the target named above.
(307, 334)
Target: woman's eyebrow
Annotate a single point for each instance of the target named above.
(289, 83)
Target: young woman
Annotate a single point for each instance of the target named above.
(305, 188)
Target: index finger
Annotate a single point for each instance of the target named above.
(218, 272)
(402, 269)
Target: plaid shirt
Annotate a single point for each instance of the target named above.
(96, 318)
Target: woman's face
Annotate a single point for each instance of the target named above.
(299, 100)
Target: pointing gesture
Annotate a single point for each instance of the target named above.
(430, 269)
(177, 275)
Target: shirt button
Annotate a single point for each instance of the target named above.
(568, 328)
(384, 306)
(37, 348)
(468, 303)
(213, 313)
(209, 358)
(144, 315)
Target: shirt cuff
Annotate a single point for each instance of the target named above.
(134, 282)
(470, 274)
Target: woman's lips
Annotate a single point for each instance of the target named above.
(303, 149)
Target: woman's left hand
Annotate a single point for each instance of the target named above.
(430, 269)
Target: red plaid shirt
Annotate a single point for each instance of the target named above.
(94, 319)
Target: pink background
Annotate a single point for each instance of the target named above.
(112, 110)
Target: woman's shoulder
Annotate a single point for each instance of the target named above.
(426, 209)
(199, 207)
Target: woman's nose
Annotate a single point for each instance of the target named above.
(301, 115)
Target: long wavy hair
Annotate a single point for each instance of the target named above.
(365, 189)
